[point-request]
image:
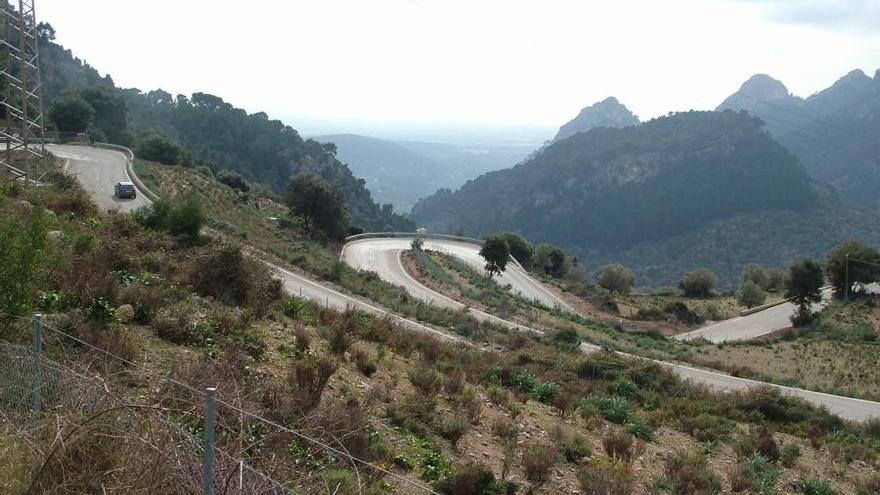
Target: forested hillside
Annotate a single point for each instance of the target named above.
(833, 132)
(608, 193)
(393, 173)
(203, 130)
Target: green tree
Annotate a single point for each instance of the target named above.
(71, 113)
(864, 265)
(159, 149)
(111, 114)
(550, 260)
(519, 248)
(804, 288)
(698, 283)
(496, 253)
(755, 274)
(775, 281)
(319, 204)
(22, 241)
(751, 294)
(616, 278)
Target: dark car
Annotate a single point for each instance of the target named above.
(125, 190)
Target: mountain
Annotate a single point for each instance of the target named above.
(211, 131)
(393, 173)
(401, 172)
(606, 113)
(656, 195)
(833, 132)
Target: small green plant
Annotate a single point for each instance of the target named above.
(537, 459)
(433, 465)
(545, 392)
(403, 461)
(606, 476)
(101, 311)
(812, 486)
(453, 428)
(789, 454)
(614, 409)
(626, 388)
(757, 475)
(639, 428)
(292, 307)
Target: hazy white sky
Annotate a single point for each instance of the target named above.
(480, 61)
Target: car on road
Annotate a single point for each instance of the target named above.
(125, 190)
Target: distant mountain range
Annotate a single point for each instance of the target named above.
(665, 196)
(835, 133)
(401, 172)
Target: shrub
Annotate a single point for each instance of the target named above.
(572, 445)
(690, 475)
(306, 382)
(224, 273)
(751, 295)
(626, 388)
(182, 218)
(545, 392)
(605, 476)
(614, 409)
(810, 486)
(233, 180)
(619, 445)
(363, 362)
(506, 430)
(470, 479)
(789, 454)
(453, 428)
(537, 459)
(414, 413)
(639, 428)
(682, 313)
(698, 283)
(454, 382)
(616, 278)
(426, 379)
(102, 312)
(293, 307)
(756, 475)
(472, 405)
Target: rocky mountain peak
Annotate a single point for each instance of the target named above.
(606, 113)
(764, 87)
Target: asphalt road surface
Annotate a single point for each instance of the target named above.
(752, 326)
(100, 169)
(382, 255)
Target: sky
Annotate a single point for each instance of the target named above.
(335, 65)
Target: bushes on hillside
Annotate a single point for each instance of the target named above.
(224, 273)
(751, 294)
(616, 278)
(22, 241)
(160, 149)
(698, 283)
(182, 218)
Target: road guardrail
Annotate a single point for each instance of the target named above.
(129, 167)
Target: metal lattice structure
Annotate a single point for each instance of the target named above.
(21, 106)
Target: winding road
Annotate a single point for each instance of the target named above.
(100, 169)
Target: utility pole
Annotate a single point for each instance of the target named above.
(846, 270)
(21, 101)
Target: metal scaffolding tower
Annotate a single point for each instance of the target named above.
(21, 106)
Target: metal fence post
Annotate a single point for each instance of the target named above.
(208, 459)
(38, 351)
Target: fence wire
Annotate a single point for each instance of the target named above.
(247, 443)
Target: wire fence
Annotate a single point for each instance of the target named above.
(169, 426)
